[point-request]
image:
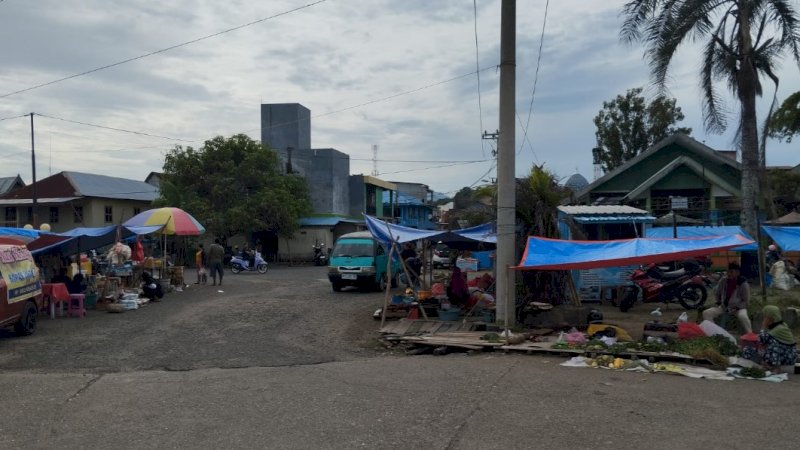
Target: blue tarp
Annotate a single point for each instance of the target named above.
(694, 232)
(555, 254)
(787, 238)
(384, 233)
(19, 233)
(83, 239)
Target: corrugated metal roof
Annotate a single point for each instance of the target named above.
(6, 183)
(600, 210)
(616, 218)
(92, 185)
(40, 201)
(325, 221)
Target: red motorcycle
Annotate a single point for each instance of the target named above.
(687, 285)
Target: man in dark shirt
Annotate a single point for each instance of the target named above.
(215, 255)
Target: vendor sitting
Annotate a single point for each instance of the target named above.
(457, 291)
(732, 295)
(778, 345)
(77, 285)
(61, 277)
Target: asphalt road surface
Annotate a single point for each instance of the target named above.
(279, 361)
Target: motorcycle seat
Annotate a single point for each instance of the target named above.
(673, 274)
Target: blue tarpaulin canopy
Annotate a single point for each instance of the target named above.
(555, 254)
(385, 233)
(82, 239)
(695, 232)
(21, 234)
(787, 238)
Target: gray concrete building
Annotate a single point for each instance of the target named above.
(285, 125)
(327, 173)
(286, 128)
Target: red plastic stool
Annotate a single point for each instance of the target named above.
(75, 305)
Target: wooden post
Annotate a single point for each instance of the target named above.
(388, 286)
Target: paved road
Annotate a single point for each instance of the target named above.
(258, 367)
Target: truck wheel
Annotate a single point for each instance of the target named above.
(27, 322)
(381, 284)
(336, 286)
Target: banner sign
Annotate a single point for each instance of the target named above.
(20, 273)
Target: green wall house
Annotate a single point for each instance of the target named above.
(678, 166)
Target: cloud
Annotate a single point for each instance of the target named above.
(328, 57)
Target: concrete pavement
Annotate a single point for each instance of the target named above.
(455, 401)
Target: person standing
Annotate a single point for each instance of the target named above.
(733, 296)
(215, 255)
(200, 262)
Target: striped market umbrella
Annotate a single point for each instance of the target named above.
(175, 221)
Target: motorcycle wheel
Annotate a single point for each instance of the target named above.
(262, 268)
(236, 268)
(693, 296)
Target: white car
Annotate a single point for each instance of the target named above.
(441, 259)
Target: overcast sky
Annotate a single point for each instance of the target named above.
(331, 56)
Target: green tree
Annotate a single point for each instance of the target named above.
(234, 186)
(785, 122)
(743, 41)
(785, 187)
(628, 125)
(463, 198)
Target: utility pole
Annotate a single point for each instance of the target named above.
(506, 179)
(35, 214)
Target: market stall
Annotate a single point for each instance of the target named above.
(435, 297)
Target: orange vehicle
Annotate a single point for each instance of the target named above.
(20, 287)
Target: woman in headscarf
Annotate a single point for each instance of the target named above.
(779, 347)
(458, 292)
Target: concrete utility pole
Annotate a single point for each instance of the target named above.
(506, 179)
(35, 214)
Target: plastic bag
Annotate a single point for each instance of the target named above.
(688, 330)
(711, 329)
(575, 337)
(683, 318)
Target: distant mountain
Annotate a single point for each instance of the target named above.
(439, 196)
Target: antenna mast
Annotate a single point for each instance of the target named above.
(375, 160)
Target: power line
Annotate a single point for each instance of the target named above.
(535, 77)
(427, 86)
(14, 117)
(477, 71)
(428, 168)
(140, 133)
(173, 47)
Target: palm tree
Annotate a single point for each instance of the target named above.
(744, 40)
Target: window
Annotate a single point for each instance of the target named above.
(54, 214)
(136, 211)
(77, 214)
(109, 215)
(11, 216)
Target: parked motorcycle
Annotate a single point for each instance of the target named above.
(242, 264)
(656, 285)
(320, 258)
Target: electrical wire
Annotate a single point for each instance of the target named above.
(478, 73)
(535, 80)
(428, 168)
(13, 117)
(140, 133)
(166, 49)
